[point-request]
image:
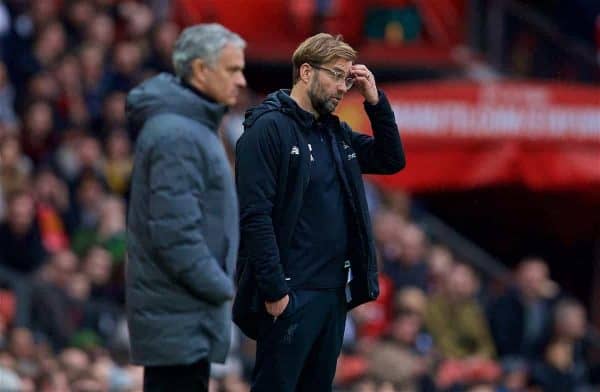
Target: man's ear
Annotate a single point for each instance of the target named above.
(305, 72)
(199, 70)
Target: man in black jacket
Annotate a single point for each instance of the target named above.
(305, 229)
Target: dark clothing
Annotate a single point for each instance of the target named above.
(406, 275)
(192, 378)
(182, 229)
(273, 170)
(517, 330)
(551, 379)
(320, 242)
(298, 351)
(22, 253)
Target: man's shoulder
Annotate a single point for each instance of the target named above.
(268, 119)
(173, 126)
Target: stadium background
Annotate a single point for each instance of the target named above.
(498, 103)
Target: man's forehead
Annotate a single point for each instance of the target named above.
(341, 64)
(231, 54)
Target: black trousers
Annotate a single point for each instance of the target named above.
(184, 378)
(298, 351)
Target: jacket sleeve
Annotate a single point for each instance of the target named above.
(176, 182)
(381, 153)
(257, 160)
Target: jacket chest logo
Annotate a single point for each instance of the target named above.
(295, 151)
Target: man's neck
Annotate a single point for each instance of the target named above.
(192, 85)
(299, 95)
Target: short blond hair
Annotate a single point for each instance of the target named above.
(321, 49)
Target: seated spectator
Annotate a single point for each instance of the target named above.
(39, 138)
(439, 263)
(53, 315)
(402, 358)
(119, 162)
(460, 332)
(89, 193)
(23, 349)
(109, 231)
(456, 320)
(563, 367)
(520, 319)
(53, 209)
(97, 267)
(163, 40)
(412, 299)
(7, 97)
(15, 167)
(408, 268)
(21, 247)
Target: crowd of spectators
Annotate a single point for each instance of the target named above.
(65, 160)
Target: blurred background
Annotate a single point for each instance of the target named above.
(489, 240)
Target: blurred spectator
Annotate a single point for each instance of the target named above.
(49, 44)
(515, 376)
(464, 342)
(96, 80)
(52, 316)
(97, 267)
(23, 349)
(78, 16)
(39, 139)
(404, 358)
(119, 162)
(468, 334)
(21, 246)
(113, 114)
(89, 192)
(520, 319)
(137, 17)
(75, 362)
(15, 167)
(7, 97)
(439, 263)
(563, 367)
(108, 231)
(408, 267)
(53, 209)
(163, 39)
(100, 31)
(127, 66)
(411, 299)
(43, 87)
(4, 21)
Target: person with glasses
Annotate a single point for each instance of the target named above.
(306, 252)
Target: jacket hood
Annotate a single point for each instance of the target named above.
(281, 101)
(165, 93)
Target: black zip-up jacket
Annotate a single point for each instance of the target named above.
(272, 174)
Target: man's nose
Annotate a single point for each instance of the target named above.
(241, 81)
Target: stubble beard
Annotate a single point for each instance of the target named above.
(322, 104)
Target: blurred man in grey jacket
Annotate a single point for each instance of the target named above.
(183, 214)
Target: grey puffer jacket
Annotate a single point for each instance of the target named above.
(182, 228)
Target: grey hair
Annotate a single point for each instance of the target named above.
(202, 41)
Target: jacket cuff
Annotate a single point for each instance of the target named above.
(382, 106)
(276, 292)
